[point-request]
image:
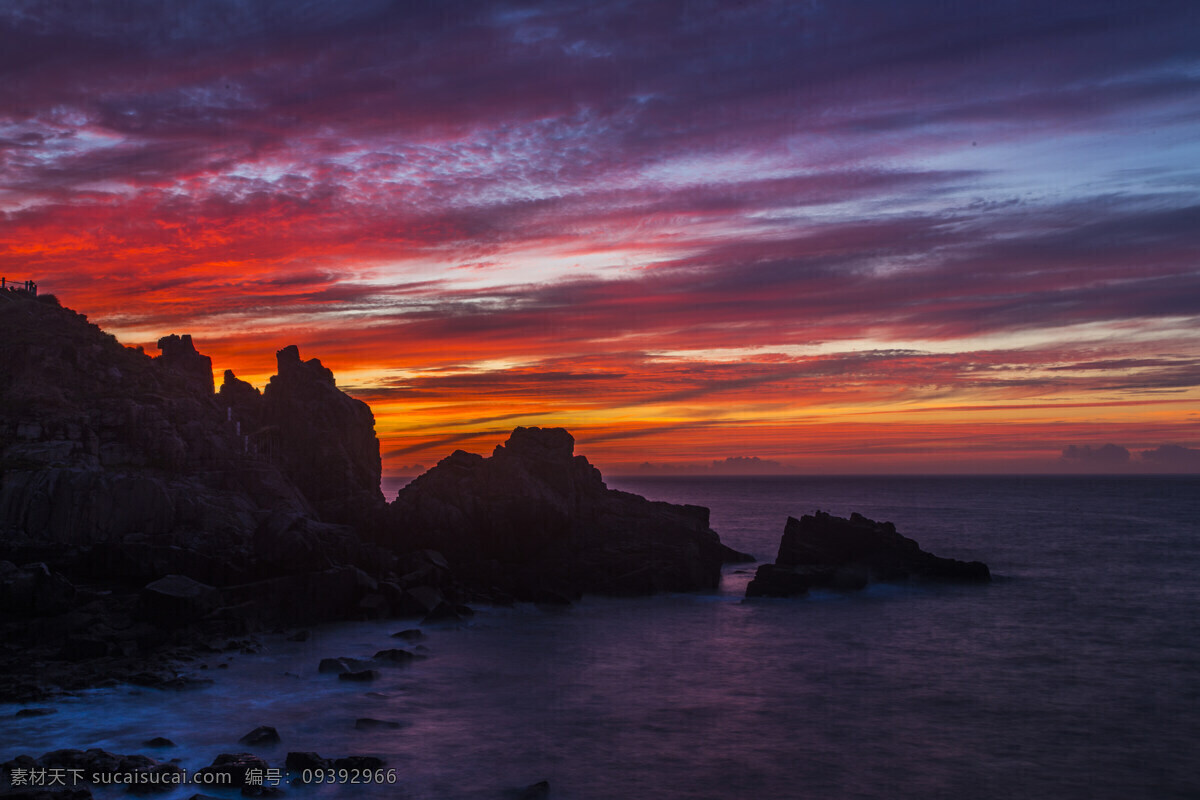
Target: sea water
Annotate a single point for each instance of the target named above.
(1075, 674)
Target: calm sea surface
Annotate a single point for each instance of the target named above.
(1075, 674)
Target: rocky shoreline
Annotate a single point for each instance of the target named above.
(143, 510)
(142, 507)
(260, 764)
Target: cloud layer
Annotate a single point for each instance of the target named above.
(835, 236)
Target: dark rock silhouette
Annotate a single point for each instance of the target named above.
(179, 356)
(261, 736)
(232, 768)
(158, 775)
(117, 469)
(324, 439)
(134, 494)
(33, 590)
(122, 467)
(372, 724)
(175, 600)
(299, 761)
(537, 522)
(824, 551)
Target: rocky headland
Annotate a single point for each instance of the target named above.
(142, 509)
(537, 522)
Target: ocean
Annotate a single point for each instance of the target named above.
(1074, 674)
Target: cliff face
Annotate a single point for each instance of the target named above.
(117, 465)
(324, 440)
(126, 466)
(242, 509)
(536, 521)
(321, 438)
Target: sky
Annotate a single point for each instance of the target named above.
(843, 237)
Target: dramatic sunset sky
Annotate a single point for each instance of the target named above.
(838, 236)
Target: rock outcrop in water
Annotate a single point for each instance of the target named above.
(537, 522)
(828, 552)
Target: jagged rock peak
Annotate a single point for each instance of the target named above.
(291, 367)
(234, 388)
(542, 444)
(181, 357)
(323, 439)
(536, 521)
(176, 346)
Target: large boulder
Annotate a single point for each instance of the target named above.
(824, 551)
(176, 600)
(536, 521)
(33, 590)
(327, 595)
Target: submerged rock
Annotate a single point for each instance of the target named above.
(358, 762)
(235, 766)
(260, 736)
(35, 712)
(534, 791)
(371, 724)
(307, 760)
(824, 551)
(409, 635)
(394, 655)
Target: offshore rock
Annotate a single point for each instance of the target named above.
(824, 551)
(534, 519)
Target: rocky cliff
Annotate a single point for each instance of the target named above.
(135, 500)
(119, 465)
(321, 438)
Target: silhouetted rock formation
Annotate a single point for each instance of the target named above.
(824, 551)
(321, 438)
(135, 495)
(179, 356)
(117, 470)
(120, 466)
(537, 522)
(324, 439)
